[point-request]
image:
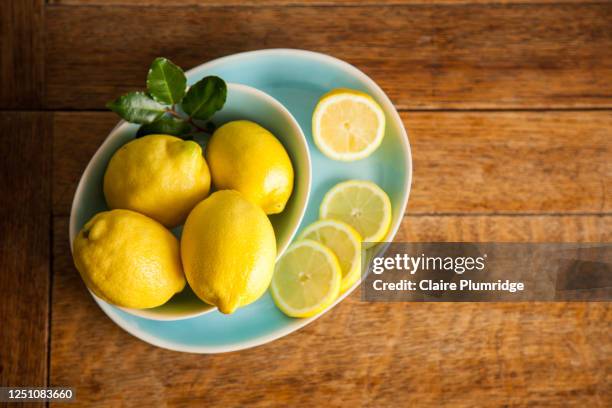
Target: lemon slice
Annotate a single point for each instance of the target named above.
(306, 279)
(344, 242)
(348, 125)
(361, 204)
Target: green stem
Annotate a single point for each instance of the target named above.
(192, 123)
(172, 111)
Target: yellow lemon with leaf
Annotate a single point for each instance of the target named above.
(160, 176)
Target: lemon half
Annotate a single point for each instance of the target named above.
(361, 204)
(348, 125)
(345, 243)
(306, 279)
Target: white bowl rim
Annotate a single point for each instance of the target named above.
(303, 146)
(388, 106)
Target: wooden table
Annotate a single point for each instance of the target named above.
(508, 105)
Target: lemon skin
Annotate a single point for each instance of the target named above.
(228, 250)
(246, 157)
(129, 259)
(160, 176)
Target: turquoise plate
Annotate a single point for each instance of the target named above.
(297, 79)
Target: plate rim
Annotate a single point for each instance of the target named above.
(298, 324)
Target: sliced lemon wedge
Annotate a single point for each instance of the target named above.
(361, 204)
(306, 279)
(345, 243)
(348, 125)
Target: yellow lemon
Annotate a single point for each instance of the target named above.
(348, 125)
(160, 176)
(245, 157)
(129, 259)
(228, 250)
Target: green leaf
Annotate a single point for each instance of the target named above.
(166, 82)
(165, 126)
(137, 107)
(205, 97)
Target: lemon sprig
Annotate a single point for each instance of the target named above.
(168, 106)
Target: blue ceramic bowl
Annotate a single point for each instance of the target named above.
(243, 102)
(296, 78)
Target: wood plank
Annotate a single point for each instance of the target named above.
(514, 162)
(361, 354)
(246, 3)
(22, 54)
(424, 56)
(25, 225)
(506, 228)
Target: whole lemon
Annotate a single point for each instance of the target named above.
(245, 157)
(228, 250)
(160, 176)
(129, 259)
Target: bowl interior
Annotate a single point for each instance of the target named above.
(243, 102)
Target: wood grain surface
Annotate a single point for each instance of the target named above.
(22, 54)
(246, 3)
(25, 253)
(424, 56)
(361, 354)
(513, 162)
(508, 106)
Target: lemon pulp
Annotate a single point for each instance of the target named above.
(361, 204)
(348, 125)
(306, 279)
(345, 243)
